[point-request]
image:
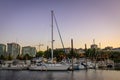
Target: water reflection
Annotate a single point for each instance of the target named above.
(72, 75)
(86, 75)
(49, 76)
(60, 75)
(93, 75)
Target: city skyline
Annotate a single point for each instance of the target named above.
(28, 22)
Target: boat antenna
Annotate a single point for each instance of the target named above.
(93, 41)
(100, 45)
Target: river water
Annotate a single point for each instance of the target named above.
(60, 75)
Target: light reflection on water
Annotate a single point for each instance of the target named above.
(60, 75)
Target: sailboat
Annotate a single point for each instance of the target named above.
(51, 65)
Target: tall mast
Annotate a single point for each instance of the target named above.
(72, 52)
(100, 45)
(52, 35)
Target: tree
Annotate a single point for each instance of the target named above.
(2, 57)
(115, 56)
(59, 54)
(92, 53)
(19, 57)
(47, 53)
(74, 54)
(27, 57)
(10, 57)
(40, 54)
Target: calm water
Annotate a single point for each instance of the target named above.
(59, 75)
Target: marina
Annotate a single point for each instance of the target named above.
(40, 65)
(59, 40)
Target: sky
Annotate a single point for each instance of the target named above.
(28, 22)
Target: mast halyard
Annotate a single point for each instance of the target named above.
(59, 32)
(52, 35)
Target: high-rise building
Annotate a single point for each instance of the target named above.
(2, 49)
(31, 51)
(13, 49)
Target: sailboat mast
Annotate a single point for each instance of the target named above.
(52, 35)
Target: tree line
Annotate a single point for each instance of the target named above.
(93, 54)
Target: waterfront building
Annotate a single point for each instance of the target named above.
(116, 49)
(81, 52)
(31, 51)
(66, 50)
(94, 46)
(108, 48)
(2, 49)
(13, 49)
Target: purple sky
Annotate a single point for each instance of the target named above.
(28, 22)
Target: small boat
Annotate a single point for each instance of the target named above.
(13, 65)
(76, 67)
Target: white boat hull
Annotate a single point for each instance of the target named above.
(48, 67)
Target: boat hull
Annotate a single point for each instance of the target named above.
(49, 67)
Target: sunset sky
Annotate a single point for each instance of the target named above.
(28, 22)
